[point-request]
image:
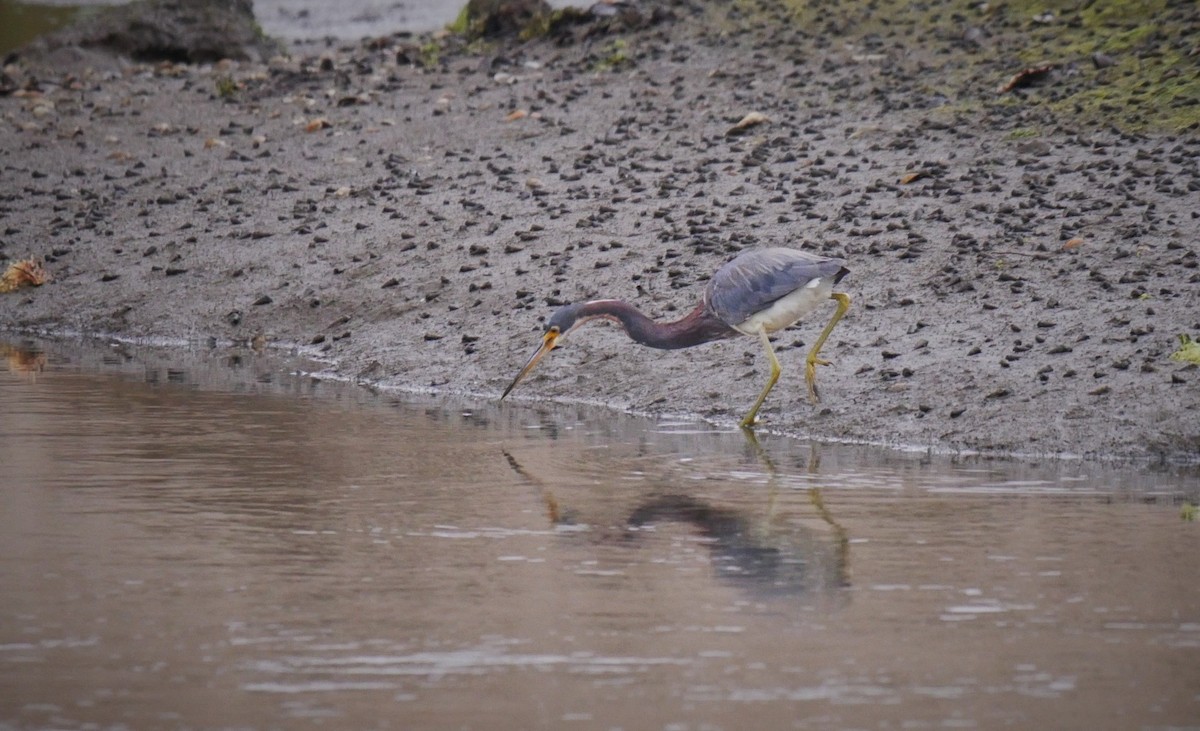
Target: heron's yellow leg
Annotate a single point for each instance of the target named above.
(775, 371)
(811, 363)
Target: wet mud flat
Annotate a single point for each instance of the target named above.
(414, 207)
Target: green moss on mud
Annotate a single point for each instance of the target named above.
(226, 87)
(526, 19)
(1132, 65)
(461, 24)
(616, 56)
(544, 24)
(429, 54)
(1135, 56)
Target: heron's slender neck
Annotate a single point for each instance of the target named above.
(697, 327)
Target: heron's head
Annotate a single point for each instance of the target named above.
(564, 320)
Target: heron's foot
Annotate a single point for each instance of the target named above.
(750, 420)
(810, 376)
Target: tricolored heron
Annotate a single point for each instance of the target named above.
(757, 293)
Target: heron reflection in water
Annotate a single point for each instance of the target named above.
(757, 293)
(749, 546)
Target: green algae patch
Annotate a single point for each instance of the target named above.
(616, 55)
(1189, 350)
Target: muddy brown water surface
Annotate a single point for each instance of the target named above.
(215, 540)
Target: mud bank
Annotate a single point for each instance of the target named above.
(414, 207)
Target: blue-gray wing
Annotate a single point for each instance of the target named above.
(755, 279)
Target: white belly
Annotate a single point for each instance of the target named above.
(788, 309)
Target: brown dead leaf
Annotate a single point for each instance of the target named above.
(1073, 244)
(212, 142)
(27, 273)
(750, 120)
(516, 114)
(1024, 77)
(911, 177)
(318, 124)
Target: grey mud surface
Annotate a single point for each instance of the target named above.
(399, 219)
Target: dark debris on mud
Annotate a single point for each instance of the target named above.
(415, 207)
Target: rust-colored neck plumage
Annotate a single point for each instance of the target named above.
(699, 326)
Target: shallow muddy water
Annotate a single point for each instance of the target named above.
(201, 540)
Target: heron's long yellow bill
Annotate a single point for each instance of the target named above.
(548, 342)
